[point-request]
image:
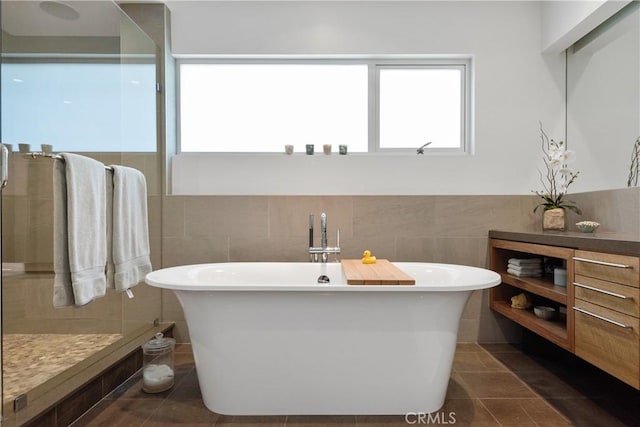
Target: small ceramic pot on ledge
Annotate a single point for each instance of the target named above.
(554, 220)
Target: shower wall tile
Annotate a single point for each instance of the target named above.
(462, 250)
(468, 330)
(39, 178)
(172, 311)
(40, 231)
(114, 158)
(382, 246)
(474, 306)
(15, 226)
(472, 216)
(144, 306)
(181, 332)
(134, 160)
(294, 249)
(155, 244)
(18, 175)
(154, 208)
(530, 220)
(289, 216)
(194, 250)
(28, 308)
(616, 210)
(171, 308)
(401, 216)
(240, 216)
(147, 163)
(173, 216)
(416, 249)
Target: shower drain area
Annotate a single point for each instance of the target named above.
(30, 360)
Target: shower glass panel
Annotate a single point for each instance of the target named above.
(78, 77)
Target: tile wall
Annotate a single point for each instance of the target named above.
(449, 229)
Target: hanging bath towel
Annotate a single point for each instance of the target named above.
(130, 261)
(79, 237)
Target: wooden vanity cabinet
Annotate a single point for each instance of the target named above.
(602, 302)
(606, 308)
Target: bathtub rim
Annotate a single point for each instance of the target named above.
(488, 279)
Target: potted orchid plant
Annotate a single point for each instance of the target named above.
(555, 182)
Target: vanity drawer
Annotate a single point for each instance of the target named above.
(612, 268)
(609, 340)
(621, 298)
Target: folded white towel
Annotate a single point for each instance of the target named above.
(130, 254)
(80, 246)
(522, 274)
(525, 269)
(525, 261)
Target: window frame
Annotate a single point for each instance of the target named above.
(464, 63)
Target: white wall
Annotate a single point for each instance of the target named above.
(515, 88)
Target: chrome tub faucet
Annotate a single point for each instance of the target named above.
(323, 250)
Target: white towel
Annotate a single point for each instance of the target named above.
(525, 269)
(522, 274)
(525, 261)
(129, 230)
(80, 245)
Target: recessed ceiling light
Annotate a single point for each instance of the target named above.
(59, 10)
(18, 80)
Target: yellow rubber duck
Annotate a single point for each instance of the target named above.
(367, 258)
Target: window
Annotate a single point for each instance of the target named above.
(370, 105)
(419, 105)
(262, 107)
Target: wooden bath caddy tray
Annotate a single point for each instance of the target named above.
(380, 273)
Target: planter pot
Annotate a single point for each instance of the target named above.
(554, 220)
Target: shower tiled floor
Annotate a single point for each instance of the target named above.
(493, 385)
(31, 359)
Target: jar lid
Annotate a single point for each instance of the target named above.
(159, 343)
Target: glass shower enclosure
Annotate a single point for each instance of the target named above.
(79, 77)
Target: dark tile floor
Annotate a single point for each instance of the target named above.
(492, 385)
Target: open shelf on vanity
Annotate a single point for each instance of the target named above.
(541, 290)
(541, 286)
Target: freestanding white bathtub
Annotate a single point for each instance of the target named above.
(268, 339)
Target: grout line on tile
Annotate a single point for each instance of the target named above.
(487, 409)
(526, 385)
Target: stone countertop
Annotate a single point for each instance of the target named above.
(627, 244)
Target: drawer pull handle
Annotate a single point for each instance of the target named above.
(613, 322)
(613, 294)
(608, 264)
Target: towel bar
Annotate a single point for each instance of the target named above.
(36, 154)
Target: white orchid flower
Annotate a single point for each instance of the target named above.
(566, 173)
(568, 156)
